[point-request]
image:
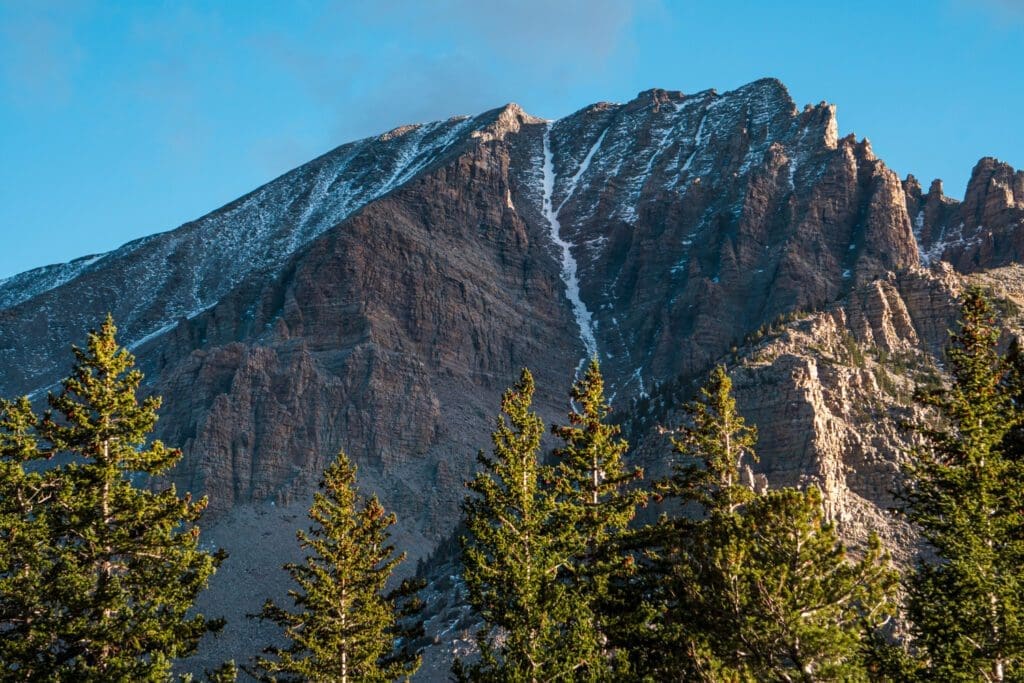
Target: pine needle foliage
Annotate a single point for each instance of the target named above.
(712, 449)
(596, 503)
(117, 567)
(513, 553)
(777, 598)
(24, 537)
(965, 494)
(755, 587)
(344, 627)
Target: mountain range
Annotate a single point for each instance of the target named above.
(380, 297)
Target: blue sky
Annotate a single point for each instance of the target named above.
(118, 120)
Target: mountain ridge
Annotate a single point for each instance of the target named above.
(379, 299)
(8, 299)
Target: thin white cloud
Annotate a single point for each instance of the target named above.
(433, 60)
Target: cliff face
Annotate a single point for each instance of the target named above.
(984, 231)
(380, 298)
(694, 219)
(389, 336)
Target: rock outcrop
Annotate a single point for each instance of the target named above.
(984, 231)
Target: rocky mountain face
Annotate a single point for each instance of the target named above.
(379, 299)
(982, 231)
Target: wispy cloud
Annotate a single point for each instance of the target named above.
(422, 61)
(530, 31)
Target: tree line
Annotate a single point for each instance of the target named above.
(100, 567)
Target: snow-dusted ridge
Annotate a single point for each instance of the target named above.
(606, 153)
(23, 286)
(176, 273)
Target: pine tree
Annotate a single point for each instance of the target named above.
(596, 505)
(710, 453)
(24, 537)
(757, 587)
(966, 495)
(118, 567)
(784, 601)
(513, 552)
(345, 627)
(713, 449)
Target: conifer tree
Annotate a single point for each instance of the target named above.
(757, 587)
(345, 628)
(24, 536)
(713, 449)
(513, 552)
(117, 567)
(966, 495)
(596, 506)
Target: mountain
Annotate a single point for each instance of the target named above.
(380, 297)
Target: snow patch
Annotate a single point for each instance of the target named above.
(794, 160)
(568, 263)
(955, 238)
(925, 257)
(698, 139)
(584, 165)
(641, 391)
(152, 335)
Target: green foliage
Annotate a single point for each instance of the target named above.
(24, 537)
(226, 673)
(514, 551)
(853, 350)
(712, 449)
(777, 599)
(98, 576)
(774, 328)
(345, 628)
(596, 506)
(965, 494)
(754, 588)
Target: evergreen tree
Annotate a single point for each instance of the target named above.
(345, 627)
(24, 537)
(757, 588)
(596, 506)
(966, 495)
(513, 552)
(712, 449)
(777, 597)
(116, 568)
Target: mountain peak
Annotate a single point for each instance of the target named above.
(379, 294)
(658, 97)
(504, 121)
(398, 132)
(769, 90)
